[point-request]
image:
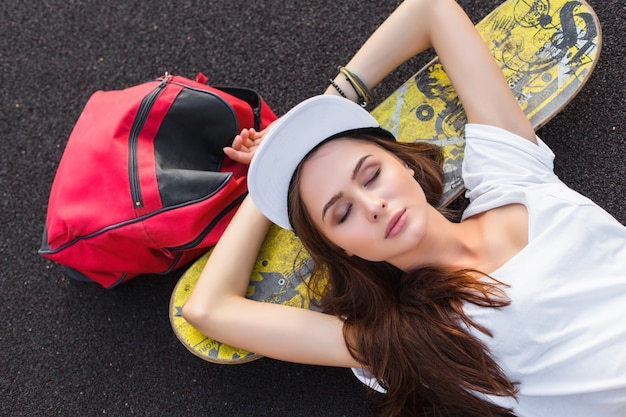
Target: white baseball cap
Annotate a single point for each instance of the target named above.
(293, 136)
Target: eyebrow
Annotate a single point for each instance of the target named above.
(337, 196)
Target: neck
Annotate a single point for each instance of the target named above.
(445, 244)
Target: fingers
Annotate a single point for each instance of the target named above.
(243, 146)
(243, 157)
(248, 138)
(238, 156)
(237, 142)
(251, 138)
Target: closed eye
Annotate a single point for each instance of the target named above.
(336, 197)
(373, 177)
(349, 209)
(345, 215)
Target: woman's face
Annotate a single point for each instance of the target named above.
(365, 200)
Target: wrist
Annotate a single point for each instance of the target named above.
(339, 86)
(361, 89)
(350, 86)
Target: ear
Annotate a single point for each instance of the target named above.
(409, 169)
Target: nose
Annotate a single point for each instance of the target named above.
(375, 206)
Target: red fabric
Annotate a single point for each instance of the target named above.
(91, 224)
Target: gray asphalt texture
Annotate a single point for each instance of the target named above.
(73, 349)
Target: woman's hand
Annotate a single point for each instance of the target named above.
(245, 144)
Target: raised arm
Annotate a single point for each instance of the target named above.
(417, 25)
(217, 306)
(413, 27)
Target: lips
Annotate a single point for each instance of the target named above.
(395, 224)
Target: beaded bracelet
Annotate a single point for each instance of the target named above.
(362, 90)
(339, 90)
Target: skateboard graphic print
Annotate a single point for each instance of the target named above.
(546, 49)
(278, 277)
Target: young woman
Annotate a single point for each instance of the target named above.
(516, 308)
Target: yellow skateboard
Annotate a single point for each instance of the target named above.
(546, 49)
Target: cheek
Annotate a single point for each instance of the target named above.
(355, 240)
(406, 185)
(399, 179)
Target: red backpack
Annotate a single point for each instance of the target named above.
(143, 186)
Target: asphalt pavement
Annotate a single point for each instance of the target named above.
(73, 349)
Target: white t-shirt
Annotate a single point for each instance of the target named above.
(564, 335)
(563, 338)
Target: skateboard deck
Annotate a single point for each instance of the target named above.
(546, 49)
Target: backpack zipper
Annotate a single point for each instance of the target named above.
(256, 111)
(194, 243)
(140, 120)
(190, 245)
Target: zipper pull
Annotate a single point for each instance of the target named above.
(257, 118)
(165, 79)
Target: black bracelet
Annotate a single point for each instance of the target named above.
(362, 90)
(360, 99)
(339, 90)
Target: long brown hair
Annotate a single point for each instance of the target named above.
(409, 328)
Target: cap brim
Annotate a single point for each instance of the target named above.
(292, 137)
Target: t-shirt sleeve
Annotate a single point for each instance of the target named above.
(498, 159)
